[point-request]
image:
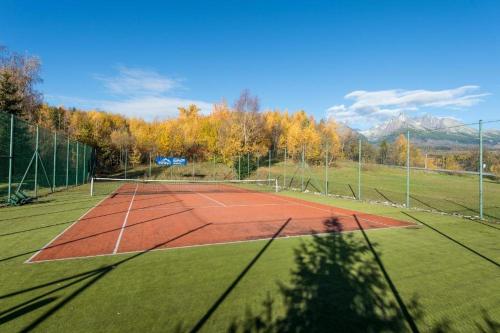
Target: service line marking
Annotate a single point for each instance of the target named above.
(125, 221)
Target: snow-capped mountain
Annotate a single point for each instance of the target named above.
(424, 123)
(430, 130)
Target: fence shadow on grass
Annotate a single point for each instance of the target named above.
(338, 284)
(83, 280)
(198, 326)
(471, 250)
(488, 324)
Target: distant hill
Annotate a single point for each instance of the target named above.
(439, 132)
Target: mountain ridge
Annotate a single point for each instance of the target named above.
(431, 130)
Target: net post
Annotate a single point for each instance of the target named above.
(359, 170)
(36, 162)
(408, 169)
(481, 169)
(91, 186)
(67, 162)
(11, 156)
(276, 185)
(54, 163)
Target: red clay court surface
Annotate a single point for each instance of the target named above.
(139, 217)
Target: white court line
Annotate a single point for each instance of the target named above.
(322, 234)
(125, 221)
(207, 197)
(216, 206)
(330, 211)
(71, 225)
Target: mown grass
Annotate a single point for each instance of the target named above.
(450, 193)
(441, 276)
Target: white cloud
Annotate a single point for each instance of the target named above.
(146, 107)
(371, 107)
(138, 81)
(151, 107)
(136, 92)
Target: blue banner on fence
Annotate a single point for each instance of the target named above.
(162, 160)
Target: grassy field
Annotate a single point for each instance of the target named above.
(448, 193)
(442, 276)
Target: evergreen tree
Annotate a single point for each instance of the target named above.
(10, 96)
(383, 152)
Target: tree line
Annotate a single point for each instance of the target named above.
(226, 132)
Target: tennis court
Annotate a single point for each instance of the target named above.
(148, 215)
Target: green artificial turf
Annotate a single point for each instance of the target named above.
(442, 275)
(450, 193)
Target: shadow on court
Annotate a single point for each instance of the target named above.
(83, 280)
(95, 235)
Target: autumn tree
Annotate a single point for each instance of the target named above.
(399, 151)
(330, 138)
(18, 76)
(247, 112)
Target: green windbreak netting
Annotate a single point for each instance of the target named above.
(58, 162)
(4, 153)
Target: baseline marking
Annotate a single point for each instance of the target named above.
(321, 234)
(69, 227)
(125, 221)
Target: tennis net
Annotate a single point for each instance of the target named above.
(120, 186)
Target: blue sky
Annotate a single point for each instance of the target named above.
(358, 61)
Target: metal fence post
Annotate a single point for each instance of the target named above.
(67, 162)
(214, 171)
(302, 173)
(239, 167)
(481, 167)
(84, 167)
(55, 163)
(11, 155)
(326, 170)
(36, 163)
(269, 166)
(126, 162)
(248, 164)
(408, 170)
(77, 162)
(284, 171)
(192, 172)
(359, 170)
(149, 164)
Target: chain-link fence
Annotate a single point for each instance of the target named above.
(436, 170)
(35, 160)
